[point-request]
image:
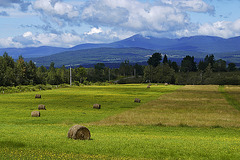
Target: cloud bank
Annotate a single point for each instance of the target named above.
(112, 20)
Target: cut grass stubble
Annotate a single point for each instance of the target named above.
(198, 106)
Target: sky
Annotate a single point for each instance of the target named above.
(66, 23)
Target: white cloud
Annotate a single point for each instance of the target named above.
(223, 29)
(27, 34)
(107, 36)
(94, 31)
(8, 42)
(112, 20)
(193, 6)
(134, 15)
(56, 11)
(23, 5)
(28, 39)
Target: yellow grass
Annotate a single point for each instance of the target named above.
(200, 106)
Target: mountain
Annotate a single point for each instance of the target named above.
(136, 49)
(95, 55)
(205, 44)
(32, 51)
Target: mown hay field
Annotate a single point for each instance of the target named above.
(171, 122)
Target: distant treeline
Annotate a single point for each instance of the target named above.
(156, 70)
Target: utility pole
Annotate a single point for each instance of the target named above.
(109, 74)
(70, 76)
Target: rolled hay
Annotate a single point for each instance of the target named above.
(97, 106)
(37, 96)
(166, 84)
(148, 86)
(137, 100)
(41, 107)
(79, 132)
(35, 114)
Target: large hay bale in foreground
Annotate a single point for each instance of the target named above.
(37, 96)
(137, 100)
(79, 132)
(97, 106)
(35, 114)
(41, 107)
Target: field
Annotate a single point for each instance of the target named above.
(171, 122)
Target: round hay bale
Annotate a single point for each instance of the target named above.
(35, 114)
(37, 96)
(41, 107)
(137, 100)
(97, 106)
(166, 84)
(148, 86)
(79, 132)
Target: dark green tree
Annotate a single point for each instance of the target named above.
(52, 77)
(209, 59)
(21, 72)
(175, 66)
(155, 59)
(32, 72)
(219, 66)
(188, 64)
(125, 68)
(231, 67)
(100, 74)
(81, 74)
(63, 73)
(138, 69)
(165, 59)
(41, 75)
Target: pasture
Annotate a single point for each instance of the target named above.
(171, 122)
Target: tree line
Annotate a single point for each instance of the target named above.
(158, 70)
(207, 71)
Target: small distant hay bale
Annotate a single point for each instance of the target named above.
(148, 86)
(41, 107)
(166, 84)
(79, 132)
(35, 114)
(97, 106)
(37, 96)
(137, 100)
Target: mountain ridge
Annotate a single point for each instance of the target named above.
(200, 43)
(137, 48)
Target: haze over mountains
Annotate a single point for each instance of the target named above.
(136, 49)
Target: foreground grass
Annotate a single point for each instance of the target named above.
(173, 122)
(120, 142)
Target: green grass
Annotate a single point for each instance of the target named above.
(122, 129)
(74, 105)
(132, 142)
(231, 96)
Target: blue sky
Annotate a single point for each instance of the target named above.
(66, 23)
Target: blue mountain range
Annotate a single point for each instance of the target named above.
(198, 46)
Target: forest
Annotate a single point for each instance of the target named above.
(159, 70)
